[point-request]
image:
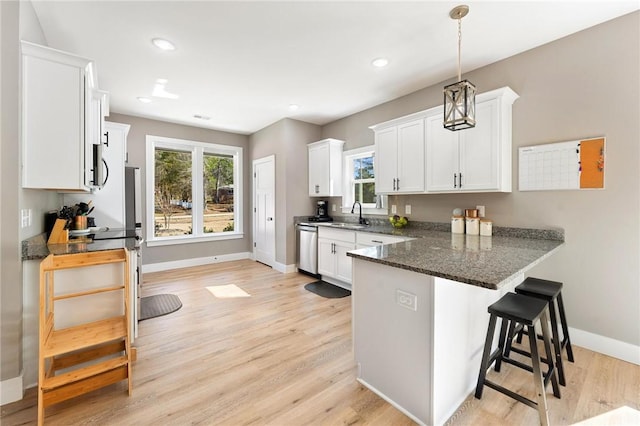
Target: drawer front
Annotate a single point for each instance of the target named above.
(337, 234)
(369, 239)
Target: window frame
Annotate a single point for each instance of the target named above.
(197, 149)
(349, 183)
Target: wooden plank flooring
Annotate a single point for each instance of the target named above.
(283, 357)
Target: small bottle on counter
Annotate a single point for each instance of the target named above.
(457, 225)
(486, 227)
(473, 225)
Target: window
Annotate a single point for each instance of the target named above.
(193, 191)
(359, 181)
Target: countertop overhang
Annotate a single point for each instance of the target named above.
(488, 262)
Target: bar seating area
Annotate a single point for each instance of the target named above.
(534, 303)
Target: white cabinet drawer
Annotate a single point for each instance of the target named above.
(369, 239)
(337, 234)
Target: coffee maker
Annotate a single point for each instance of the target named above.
(322, 212)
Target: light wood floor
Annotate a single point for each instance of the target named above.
(283, 357)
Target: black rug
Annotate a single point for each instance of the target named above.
(158, 305)
(327, 290)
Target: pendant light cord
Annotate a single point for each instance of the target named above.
(459, 47)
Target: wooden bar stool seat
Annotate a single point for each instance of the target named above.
(525, 310)
(551, 292)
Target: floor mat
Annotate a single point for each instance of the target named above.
(327, 290)
(158, 305)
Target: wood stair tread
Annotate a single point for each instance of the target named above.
(85, 335)
(84, 372)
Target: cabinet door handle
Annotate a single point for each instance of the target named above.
(460, 180)
(317, 189)
(106, 142)
(455, 185)
(377, 241)
(398, 184)
(394, 184)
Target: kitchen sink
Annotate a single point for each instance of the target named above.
(348, 225)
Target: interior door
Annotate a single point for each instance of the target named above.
(264, 225)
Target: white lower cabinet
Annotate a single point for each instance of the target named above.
(333, 263)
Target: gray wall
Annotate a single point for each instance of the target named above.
(136, 142)
(287, 139)
(10, 265)
(581, 86)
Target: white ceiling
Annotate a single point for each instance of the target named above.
(243, 63)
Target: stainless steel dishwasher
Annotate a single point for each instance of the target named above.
(308, 248)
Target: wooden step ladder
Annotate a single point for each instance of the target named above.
(79, 359)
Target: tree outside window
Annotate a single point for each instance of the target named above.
(185, 206)
(364, 188)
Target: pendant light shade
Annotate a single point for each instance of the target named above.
(460, 97)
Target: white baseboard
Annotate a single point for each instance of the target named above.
(11, 390)
(198, 261)
(605, 345)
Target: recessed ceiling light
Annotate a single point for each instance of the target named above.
(380, 62)
(293, 107)
(144, 100)
(163, 44)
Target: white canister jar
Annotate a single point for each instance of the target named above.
(473, 225)
(486, 228)
(457, 225)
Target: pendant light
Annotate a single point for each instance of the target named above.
(460, 97)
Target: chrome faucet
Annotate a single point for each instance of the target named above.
(361, 221)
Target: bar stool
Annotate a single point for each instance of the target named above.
(525, 310)
(551, 291)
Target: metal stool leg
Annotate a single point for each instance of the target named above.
(538, 379)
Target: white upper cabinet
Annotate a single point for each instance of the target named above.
(325, 168)
(62, 121)
(399, 156)
(476, 159)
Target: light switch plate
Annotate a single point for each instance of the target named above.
(407, 209)
(394, 210)
(480, 211)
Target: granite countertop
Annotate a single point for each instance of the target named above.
(489, 262)
(36, 248)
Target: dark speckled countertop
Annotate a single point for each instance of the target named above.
(36, 248)
(489, 262)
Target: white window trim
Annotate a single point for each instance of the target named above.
(347, 198)
(196, 148)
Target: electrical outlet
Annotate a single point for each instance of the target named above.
(480, 211)
(333, 207)
(407, 209)
(25, 218)
(407, 300)
(394, 210)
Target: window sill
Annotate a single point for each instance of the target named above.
(367, 211)
(167, 241)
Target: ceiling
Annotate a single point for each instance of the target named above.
(243, 63)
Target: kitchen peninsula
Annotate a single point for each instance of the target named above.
(420, 312)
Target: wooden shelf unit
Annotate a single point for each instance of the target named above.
(93, 354)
